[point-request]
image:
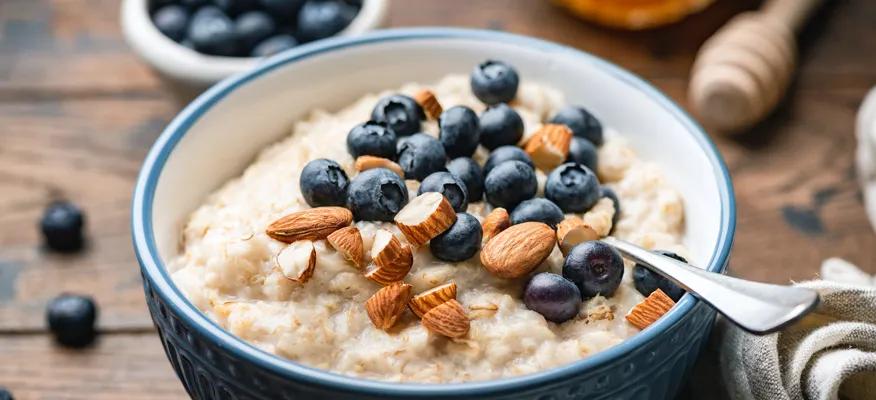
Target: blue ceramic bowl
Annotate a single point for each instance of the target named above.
(216, 136)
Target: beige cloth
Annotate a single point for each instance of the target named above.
(830, 353)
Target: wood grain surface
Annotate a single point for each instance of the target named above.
(78, 112)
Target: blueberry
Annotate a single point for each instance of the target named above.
(62, 225)
(448, 185)
(252, 27)
(460, 242)
(5, 394)
(371, 139)
(172, 21)
(212, 32)
(274, 45)
(459, 131)
(494, 82)
(420, 155)
(582, 151)
(606, 191)
(282, 9)
(573, 187)
(376, 195)
(647, 281)
(554, 297)
(71, 319)
(400, 113)
(539, 210)
(319, 19)
(581, 122)
(191, 4)
(510, 183)
(500, 126)
(470, 172)
(506, 153)
(323, 183)
(595, 267)
(234, 7)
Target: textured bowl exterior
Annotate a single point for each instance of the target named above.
(213, 364)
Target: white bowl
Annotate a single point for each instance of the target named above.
(196, 71)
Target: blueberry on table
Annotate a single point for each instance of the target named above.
(274, 45)
(71, 319)
(581, 122)
(494, 82)
(582, 151)
(420, 155)
(459, 242)
(5, 394)
(510, 183)
(323, 183)
(556, 298)
(573, 187)
(538, 210)
(500, 126)
(647, 281)
(448, 185)
(252, 27)
(62, 227)
(606, 191)
(371, 139)
(212, 32)
(506, 153)
(376, 195)
(400, 113)
(172, 20)
(282, 9)
(459, 131)
(319, 19)
(595, 267)
(470, 173)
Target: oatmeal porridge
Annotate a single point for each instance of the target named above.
(313, 301)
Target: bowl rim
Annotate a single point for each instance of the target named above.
(154, 270)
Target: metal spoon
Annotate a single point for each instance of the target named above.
(759, 308)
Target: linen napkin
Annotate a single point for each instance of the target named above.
(829, 354)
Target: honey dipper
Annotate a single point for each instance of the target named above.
(744, 69)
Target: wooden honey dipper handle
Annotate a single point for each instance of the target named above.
(743, 70)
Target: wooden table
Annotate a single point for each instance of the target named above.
(78, 112)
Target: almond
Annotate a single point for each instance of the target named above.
(496, 221)
(573, 231)
(297, 261)
(447, 319)
(311, 224)
(425, 217)
(348, 242)
(392, 259)
(368, 162)
(518, 250)
(427, 100)
(385, 306)
(650, 309)
(549, 146)
(423, 302)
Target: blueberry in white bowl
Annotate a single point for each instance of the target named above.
(212, 32)
(582, 151)
(319, 19)
(323, 183)
(453, 189)
(460, 242)
(420, 155)
(595, 267)
(573, 187)
(469, 171)
(400, 113)
(376, 195)
(172, 20)
(510, 183)
(506, 153)
(557, 299)
(494, 82)
(282, 9)
(459, 131)
(371, 139)
(252, 27)
(538, 209)
(235, 7)
(581, 122)
(274, 45)
(647, 281)
(500, 126)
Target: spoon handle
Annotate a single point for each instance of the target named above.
(756, 307)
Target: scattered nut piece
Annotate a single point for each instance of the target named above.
(595, 224)
(650, 309)
(425, 217)
(516, 251)
(496, 221)
(392, 259)
(426, 99)
(447, 319)
(385, 306)
(297, 261)
(549, 146)
(311, 224)
(348, 242)
(368, 162)
(423, 302)
(600, 312)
